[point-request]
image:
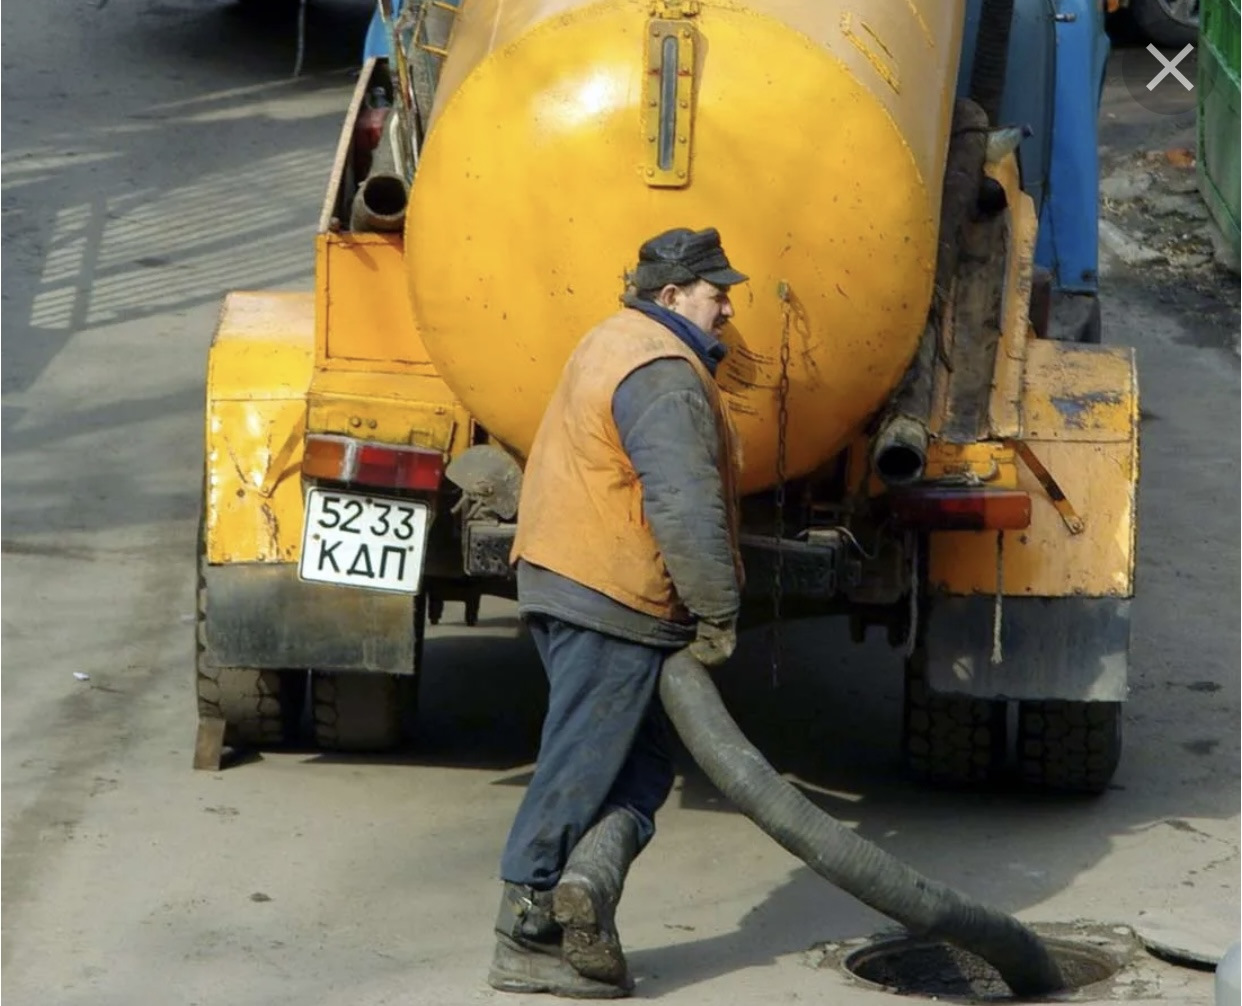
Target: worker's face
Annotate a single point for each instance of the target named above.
(703, 303)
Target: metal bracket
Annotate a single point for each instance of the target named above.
(278, 467)
(486, 547)
(668, 100)
(810, 570)
(1056, 495)
(674, 8)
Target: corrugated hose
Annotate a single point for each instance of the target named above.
(926, 907)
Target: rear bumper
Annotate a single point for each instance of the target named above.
(810, 571)
(261, 615)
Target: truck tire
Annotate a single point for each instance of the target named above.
(1069, 747)
(359, 710)
(1169, 23)
(951, 740)
(260, 708)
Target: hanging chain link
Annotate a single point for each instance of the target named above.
(782, 432)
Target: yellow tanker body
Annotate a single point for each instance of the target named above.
(921, 453)
(812, 133)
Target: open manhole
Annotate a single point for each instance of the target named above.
(1087, 956)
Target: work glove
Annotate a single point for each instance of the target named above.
(714, 642)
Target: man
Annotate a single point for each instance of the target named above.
(626, 549)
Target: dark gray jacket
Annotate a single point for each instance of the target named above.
(668, 430)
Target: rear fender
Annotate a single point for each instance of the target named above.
(1044, 612)
(259, 368)
(257, 613)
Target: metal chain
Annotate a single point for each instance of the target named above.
(782, 430)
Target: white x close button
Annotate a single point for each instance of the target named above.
(1170, 67)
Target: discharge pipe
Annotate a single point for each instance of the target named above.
(899, 448)
(899, 451)
(380, 202)
(927, 908)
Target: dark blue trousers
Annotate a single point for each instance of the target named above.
(605, 743)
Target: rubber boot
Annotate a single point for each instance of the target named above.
(528, 950)
(585, 900)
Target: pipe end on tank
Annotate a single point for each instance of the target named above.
(380, 204)
(899, 451)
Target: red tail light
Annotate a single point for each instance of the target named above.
(962, 509)
(343, 459)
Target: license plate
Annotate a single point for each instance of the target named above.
(364, 541)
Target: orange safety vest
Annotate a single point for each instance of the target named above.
(581, 508)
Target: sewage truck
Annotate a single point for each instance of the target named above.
(922, 457)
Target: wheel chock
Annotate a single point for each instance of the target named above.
(209, 745)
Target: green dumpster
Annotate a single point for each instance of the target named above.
(1220, 139)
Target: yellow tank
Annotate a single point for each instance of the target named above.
(812, 133)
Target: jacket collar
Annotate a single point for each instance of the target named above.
(706, 347)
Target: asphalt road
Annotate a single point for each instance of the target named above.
(156, 154)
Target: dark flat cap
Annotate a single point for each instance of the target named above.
(682, 256)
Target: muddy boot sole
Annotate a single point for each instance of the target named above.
(518, 969)
(593, 949)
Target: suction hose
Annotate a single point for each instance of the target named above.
(927, 908)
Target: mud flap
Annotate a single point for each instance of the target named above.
(261, 615)
(1071, 648)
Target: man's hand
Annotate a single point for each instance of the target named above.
(714, 642)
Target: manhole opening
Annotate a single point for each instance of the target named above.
(915, 967)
